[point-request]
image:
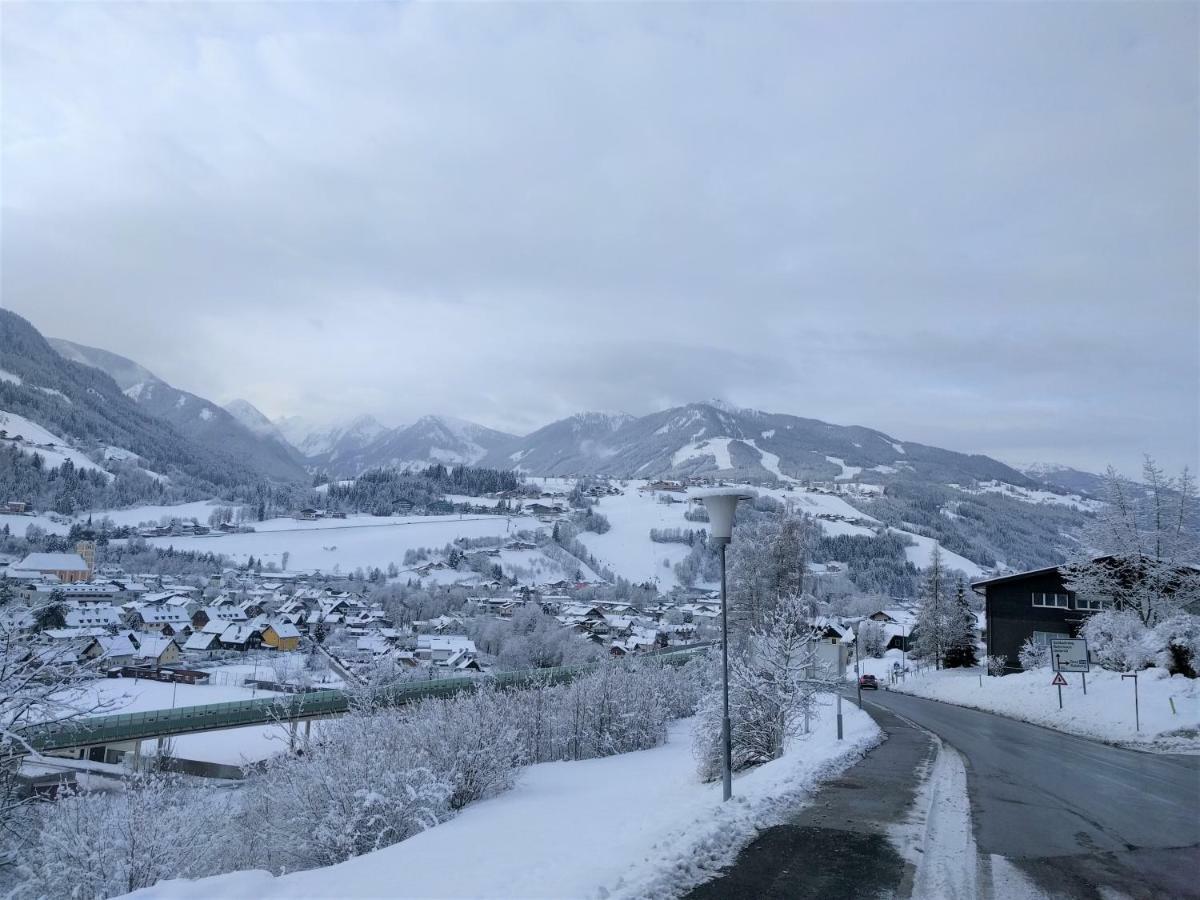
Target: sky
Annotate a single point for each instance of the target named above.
(970, 225)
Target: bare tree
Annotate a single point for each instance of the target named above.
(1140, 553)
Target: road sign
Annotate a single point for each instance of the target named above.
(1059, 681)
(1069, 654)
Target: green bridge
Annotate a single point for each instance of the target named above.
(94, 731)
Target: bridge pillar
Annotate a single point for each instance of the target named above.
(137, 755)
(292, 735)
(307, 729)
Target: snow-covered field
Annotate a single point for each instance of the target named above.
(627, 548)
(1105, 713)
(346, 544)
(635, 825)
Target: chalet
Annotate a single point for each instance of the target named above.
(112, 650)
(446, 650)
(165, 621)
(93, 616)
(541, 509)
(155, 651)
(223, 614)
(15, 507)
(203, 642)
(282, 636)
(243, 636)
(673, 486)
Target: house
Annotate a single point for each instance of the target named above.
(282, 636)
(445, 650)
(15, 507)
(93, 616)
(203, 642)
(113, 650)
(242, 636)
(155, 651)
(166, 621)
(66, 567)
(1036, 604)
(225, 614)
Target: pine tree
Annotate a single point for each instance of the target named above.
(960, 630)
(930, 630)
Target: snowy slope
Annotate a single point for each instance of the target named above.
(29, 438)
(627, 826)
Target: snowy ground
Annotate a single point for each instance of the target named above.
(635, 825)
(1105, 713)
(36, 439)
(627, 548)
(231, 746)
(346, 544)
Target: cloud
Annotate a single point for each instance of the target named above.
(973, 225)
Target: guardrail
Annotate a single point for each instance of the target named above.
(96, 730)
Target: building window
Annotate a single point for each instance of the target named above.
(1053, 601)
(1092, 605)
(1043, 638)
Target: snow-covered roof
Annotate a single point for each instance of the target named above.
(53, 562)
(285, 629)
(150, 647)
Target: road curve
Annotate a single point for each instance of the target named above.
(1072, 814)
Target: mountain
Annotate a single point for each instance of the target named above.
(325, 447)
(200, 420)
(252, 418)
(717, 439)
(138, 455)
(1065, 478)
(428, 440)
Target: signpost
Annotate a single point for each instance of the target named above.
(1059, 682)
(1070, 655)
(1137, 714)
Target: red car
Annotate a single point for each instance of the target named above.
(868, 682)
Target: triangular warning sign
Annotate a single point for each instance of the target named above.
(1058, 681)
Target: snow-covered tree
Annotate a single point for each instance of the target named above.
(39, 684)
(931, 627)
(1177, 640)
(871, 638)
(773, 682)
(959, 649)
(1140, 552)
(1118, 640)
(90, 846)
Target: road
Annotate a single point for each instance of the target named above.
(1051, 814)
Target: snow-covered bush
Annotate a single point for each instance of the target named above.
(996, 664)
(773, 682)
(1118, 640)
(1033, 655)
(92, 846)
(361, 786)
(472, 743)
(1177, 642)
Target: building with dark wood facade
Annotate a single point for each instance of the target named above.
(1034, 604)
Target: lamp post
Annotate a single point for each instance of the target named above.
(721, 504)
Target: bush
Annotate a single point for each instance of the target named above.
(997, 664)
(1033, 655)
(1177, 640)
(1118, 640)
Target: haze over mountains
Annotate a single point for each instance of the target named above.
(703, 438)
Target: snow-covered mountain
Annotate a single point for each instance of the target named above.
(326, 445)
(203, 421)
(1065, 478)
(717, 439)
(430, 439)
(253, 418)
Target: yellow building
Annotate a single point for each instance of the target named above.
(281, 636)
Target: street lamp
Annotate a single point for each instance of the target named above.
(721, 504)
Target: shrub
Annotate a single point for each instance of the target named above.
(1118, 640)
(1033, 655)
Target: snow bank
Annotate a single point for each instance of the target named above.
(634, 825)
(1105, 713)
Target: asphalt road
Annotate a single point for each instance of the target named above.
(1073, 815)
(1076, 818)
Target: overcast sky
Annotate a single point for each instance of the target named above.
(972, 225)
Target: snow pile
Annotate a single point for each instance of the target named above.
(634, 825)
(1105, 713)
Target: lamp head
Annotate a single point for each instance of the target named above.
(721, 504)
